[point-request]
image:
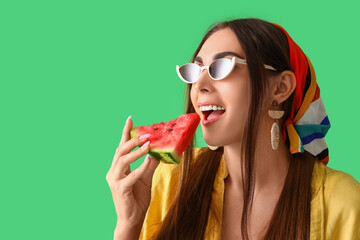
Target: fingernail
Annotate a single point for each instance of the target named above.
(145, 144)
(147, 158)
(128, 118)
(144, 136)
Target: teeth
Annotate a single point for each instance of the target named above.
(211, 107)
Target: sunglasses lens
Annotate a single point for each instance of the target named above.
(220, 68)
(190, 72)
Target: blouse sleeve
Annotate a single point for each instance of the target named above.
(342, 206)
(163, 191)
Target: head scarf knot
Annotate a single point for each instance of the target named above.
(308, 122)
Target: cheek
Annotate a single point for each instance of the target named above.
(193, 98)
(237, 96)
(238, 104)
(237, 100)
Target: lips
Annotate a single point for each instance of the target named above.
(205, 103)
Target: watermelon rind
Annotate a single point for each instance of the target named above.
(166, 157)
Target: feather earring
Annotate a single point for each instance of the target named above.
(275, 129)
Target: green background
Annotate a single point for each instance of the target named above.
(71, 72)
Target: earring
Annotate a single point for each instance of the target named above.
(213, 147)
(275, 129)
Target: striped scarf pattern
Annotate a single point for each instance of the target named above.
(308, 122)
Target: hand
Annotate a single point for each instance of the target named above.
(131, 191)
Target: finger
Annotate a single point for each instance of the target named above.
(125, 135)
(153, 164)
(115, 158)
(126, 130)
(148, 175)
(135, 175)
(127, 147)
(126, 160)
(127, 170)
(132, 143)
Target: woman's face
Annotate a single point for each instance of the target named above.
(232, 92)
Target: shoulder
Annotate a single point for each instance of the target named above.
(336, 186)
(341, 189)
(165, 184)
(169, 173)
(341, 204)
(166, 177)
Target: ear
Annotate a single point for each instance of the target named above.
(285, 84)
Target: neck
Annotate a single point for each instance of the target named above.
(270, 166)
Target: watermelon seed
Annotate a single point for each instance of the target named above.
(169, 130)
(156, 128)
(174, 124)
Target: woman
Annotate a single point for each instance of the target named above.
(264, 175)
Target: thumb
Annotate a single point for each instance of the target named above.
(135, 175)
(153, 164)
(149, 173)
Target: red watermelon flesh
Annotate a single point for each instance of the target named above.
(169, 140)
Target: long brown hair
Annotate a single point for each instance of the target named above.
(262, 43)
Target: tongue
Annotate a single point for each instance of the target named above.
(215, 114)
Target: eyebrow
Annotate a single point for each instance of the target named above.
(219, 55)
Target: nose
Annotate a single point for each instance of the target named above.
(204, 82)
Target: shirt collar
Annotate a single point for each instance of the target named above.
(317, 178)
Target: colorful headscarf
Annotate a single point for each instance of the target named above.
(308, 122)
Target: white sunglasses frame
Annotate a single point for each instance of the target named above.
(233, 61)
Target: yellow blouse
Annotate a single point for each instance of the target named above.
(335, 204)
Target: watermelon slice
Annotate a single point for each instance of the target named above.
(169, 140)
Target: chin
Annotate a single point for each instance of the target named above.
(211, 142)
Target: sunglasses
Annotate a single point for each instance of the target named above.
(218, 69)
